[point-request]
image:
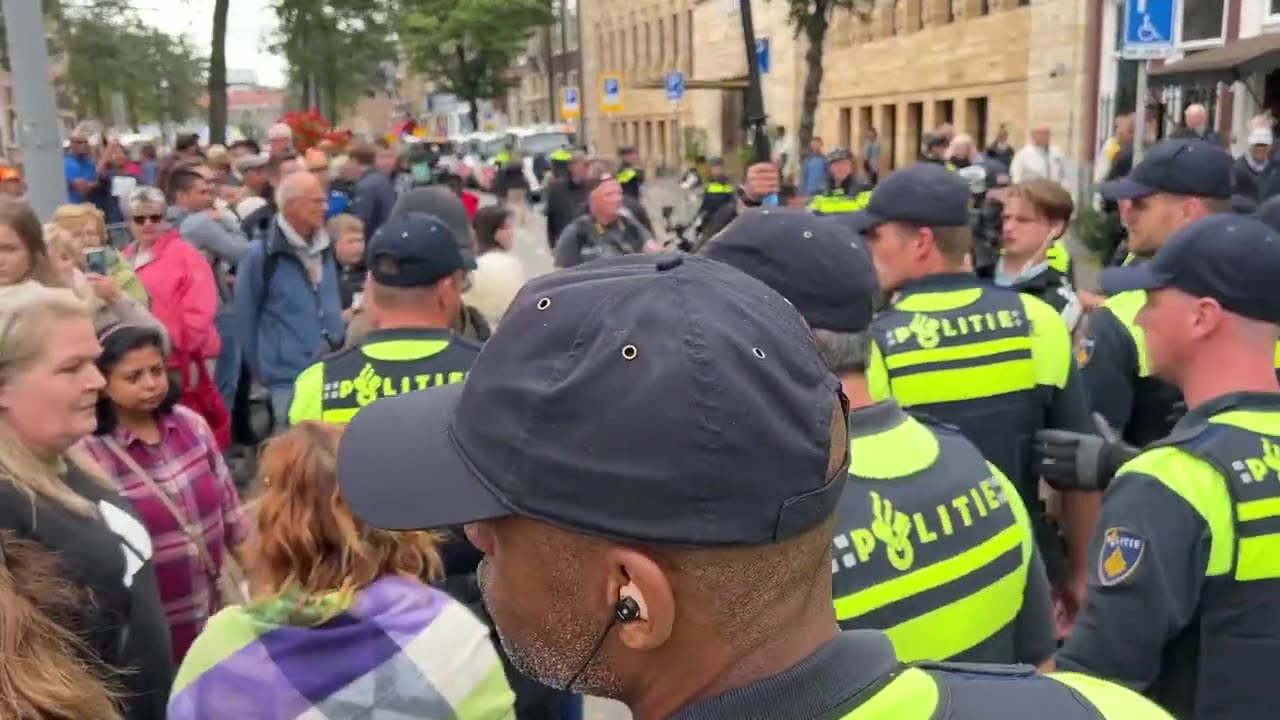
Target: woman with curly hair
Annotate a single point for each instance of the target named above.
(43, 676)
(341, 624)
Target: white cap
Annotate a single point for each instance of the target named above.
(1260, 136)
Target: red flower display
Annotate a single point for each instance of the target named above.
(309, 128)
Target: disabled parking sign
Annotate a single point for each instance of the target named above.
(1148, 29)
(611, 95)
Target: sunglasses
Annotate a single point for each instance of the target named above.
(143, 219)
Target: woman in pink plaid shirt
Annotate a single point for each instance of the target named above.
(139, 418)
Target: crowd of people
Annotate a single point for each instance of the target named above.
(844, 455)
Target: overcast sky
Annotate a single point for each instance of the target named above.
(250, 24)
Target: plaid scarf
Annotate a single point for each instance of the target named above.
(396, 649)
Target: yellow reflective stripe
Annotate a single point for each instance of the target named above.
(924, 302)
(835, 205)
(308, 396)
(1057, 257)
(1111, 700)
(938, 574)
(913, 695)
(403, 350)
(1258, 509)
(877, 375)
(626, 176)
(1125, 307)
(958, 626)
(1202, 487)
(1259, 558)
(1278, 356)
(1051, 340)
(341, 417)
(897, 452)
(1261, 422)
(968, 351)
(956, 384)
(716, 188)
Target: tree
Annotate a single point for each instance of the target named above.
(812, 18)
(466, 46)
(218, 74)
(334, 48)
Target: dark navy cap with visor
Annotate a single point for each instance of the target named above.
(1232, 259)
(670, 400)
(817, 263)
(1180, 167)
(413, 250)
(924, 195)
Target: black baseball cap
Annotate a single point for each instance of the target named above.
(1230, 258)
(925, 194)
(668, 399)
(817, 263)
(1181, 167)
(413, 250)
(840, 153)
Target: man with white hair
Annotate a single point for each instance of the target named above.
(286, 297)
(279, 139)
(1038, 159)
(1197, 119)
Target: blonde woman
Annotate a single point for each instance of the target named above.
(104, 298)
(44, 676)
(88, 226)
(59, 499)
(339, 610)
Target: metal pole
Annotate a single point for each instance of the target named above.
(1140, 113)
(755, 116)
(37, 109)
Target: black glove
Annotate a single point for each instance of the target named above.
(1080, 461)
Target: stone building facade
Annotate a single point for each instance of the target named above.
(978, 64)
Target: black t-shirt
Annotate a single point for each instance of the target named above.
(109, 555)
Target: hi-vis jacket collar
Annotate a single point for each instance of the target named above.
(1231, 401)
(940, 282)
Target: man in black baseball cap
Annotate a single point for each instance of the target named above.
(1165, 561)
(999, 379)
(414, 290)
(1175, 184)
(901, 466)
(649, 452)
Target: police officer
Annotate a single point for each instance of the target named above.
(919, 495)
(846, 194)
(414, 291)
(718, 191)
(1181, 601)
(560, 159)
(1178, 182)
(654, 483)
(630, 174)
(991, 361)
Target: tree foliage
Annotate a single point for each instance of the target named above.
(335, 48)
(812, 19)
(107, 49)
(466, 46)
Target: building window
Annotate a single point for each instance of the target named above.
(915, 15)
(622, 50)
(1275, 8)
(949, 10)
(675, 36)
(648, 46)
(635, 45)
(1024, 3)
(1203, 22)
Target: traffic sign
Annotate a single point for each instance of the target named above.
(1148, 29)
(570, 104)
(611, 98)
(762, 55)
(675, 86)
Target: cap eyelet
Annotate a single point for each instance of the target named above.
(629, 352)
(758, 353)
(544, 303)
(808, 234)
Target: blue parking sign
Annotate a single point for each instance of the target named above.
(1148, 29)
(762, 55)
(611, 98)
(675, 85)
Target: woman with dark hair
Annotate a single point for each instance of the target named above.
(23, 255)
(163, 457)
(499, 275)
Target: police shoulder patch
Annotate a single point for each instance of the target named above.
(1121, 553)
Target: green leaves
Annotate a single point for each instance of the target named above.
(339, 45)
(466, 46)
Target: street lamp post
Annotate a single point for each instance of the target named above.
(37, 107)
(754, 100)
